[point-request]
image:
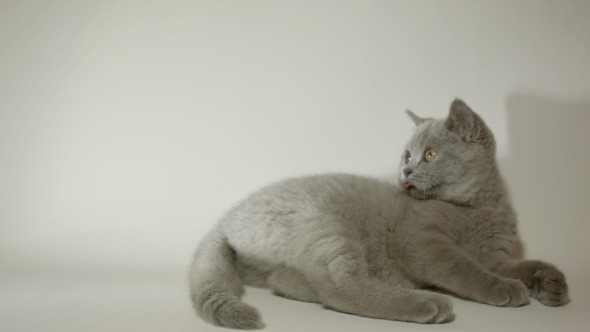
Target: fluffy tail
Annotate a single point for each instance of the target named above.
(216, 288)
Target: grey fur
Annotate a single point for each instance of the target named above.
(369, 247)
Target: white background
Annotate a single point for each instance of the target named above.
(128, 127)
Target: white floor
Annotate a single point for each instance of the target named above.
(73, 299)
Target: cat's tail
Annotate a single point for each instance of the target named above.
(216, 287)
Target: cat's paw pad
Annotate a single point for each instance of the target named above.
(435, 309)
(549, 287)
(508, 293)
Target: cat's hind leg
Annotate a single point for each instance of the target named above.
(337, 268)
(366, 298)
(292, 284)
(376, 300)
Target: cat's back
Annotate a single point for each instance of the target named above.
(277, 220)
(325, 193)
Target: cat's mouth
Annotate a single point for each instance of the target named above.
(408, 185)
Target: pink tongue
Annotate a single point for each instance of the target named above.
(408, 185)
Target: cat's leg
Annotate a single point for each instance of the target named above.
(336, 266)
(253, 273)
(440, 263)
(292, 284)
(378, 300)
(544, 281)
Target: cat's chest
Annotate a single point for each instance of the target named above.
(477, 231)
(480, 231)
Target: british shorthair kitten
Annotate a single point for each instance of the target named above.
(373, 248)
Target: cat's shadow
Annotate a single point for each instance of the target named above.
(547, 171)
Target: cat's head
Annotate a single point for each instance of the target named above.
(450, 159)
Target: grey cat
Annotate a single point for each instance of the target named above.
(377, 249)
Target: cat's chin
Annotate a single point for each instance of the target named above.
(418, 193)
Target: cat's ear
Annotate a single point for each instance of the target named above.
(417, 120)
(463, 122)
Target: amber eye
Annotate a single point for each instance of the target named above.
(430, 155)
(408, 157)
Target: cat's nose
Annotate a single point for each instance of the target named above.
(408, 171)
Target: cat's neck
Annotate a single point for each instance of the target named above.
(488, 191)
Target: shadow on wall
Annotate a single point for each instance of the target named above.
(548, 174)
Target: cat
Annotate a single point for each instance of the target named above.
(376, 248)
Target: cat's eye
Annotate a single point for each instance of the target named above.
(408, 157)
(430, 154)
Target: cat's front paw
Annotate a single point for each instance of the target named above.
(505, 292)
(548, 286)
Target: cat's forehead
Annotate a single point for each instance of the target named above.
(428, 134)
